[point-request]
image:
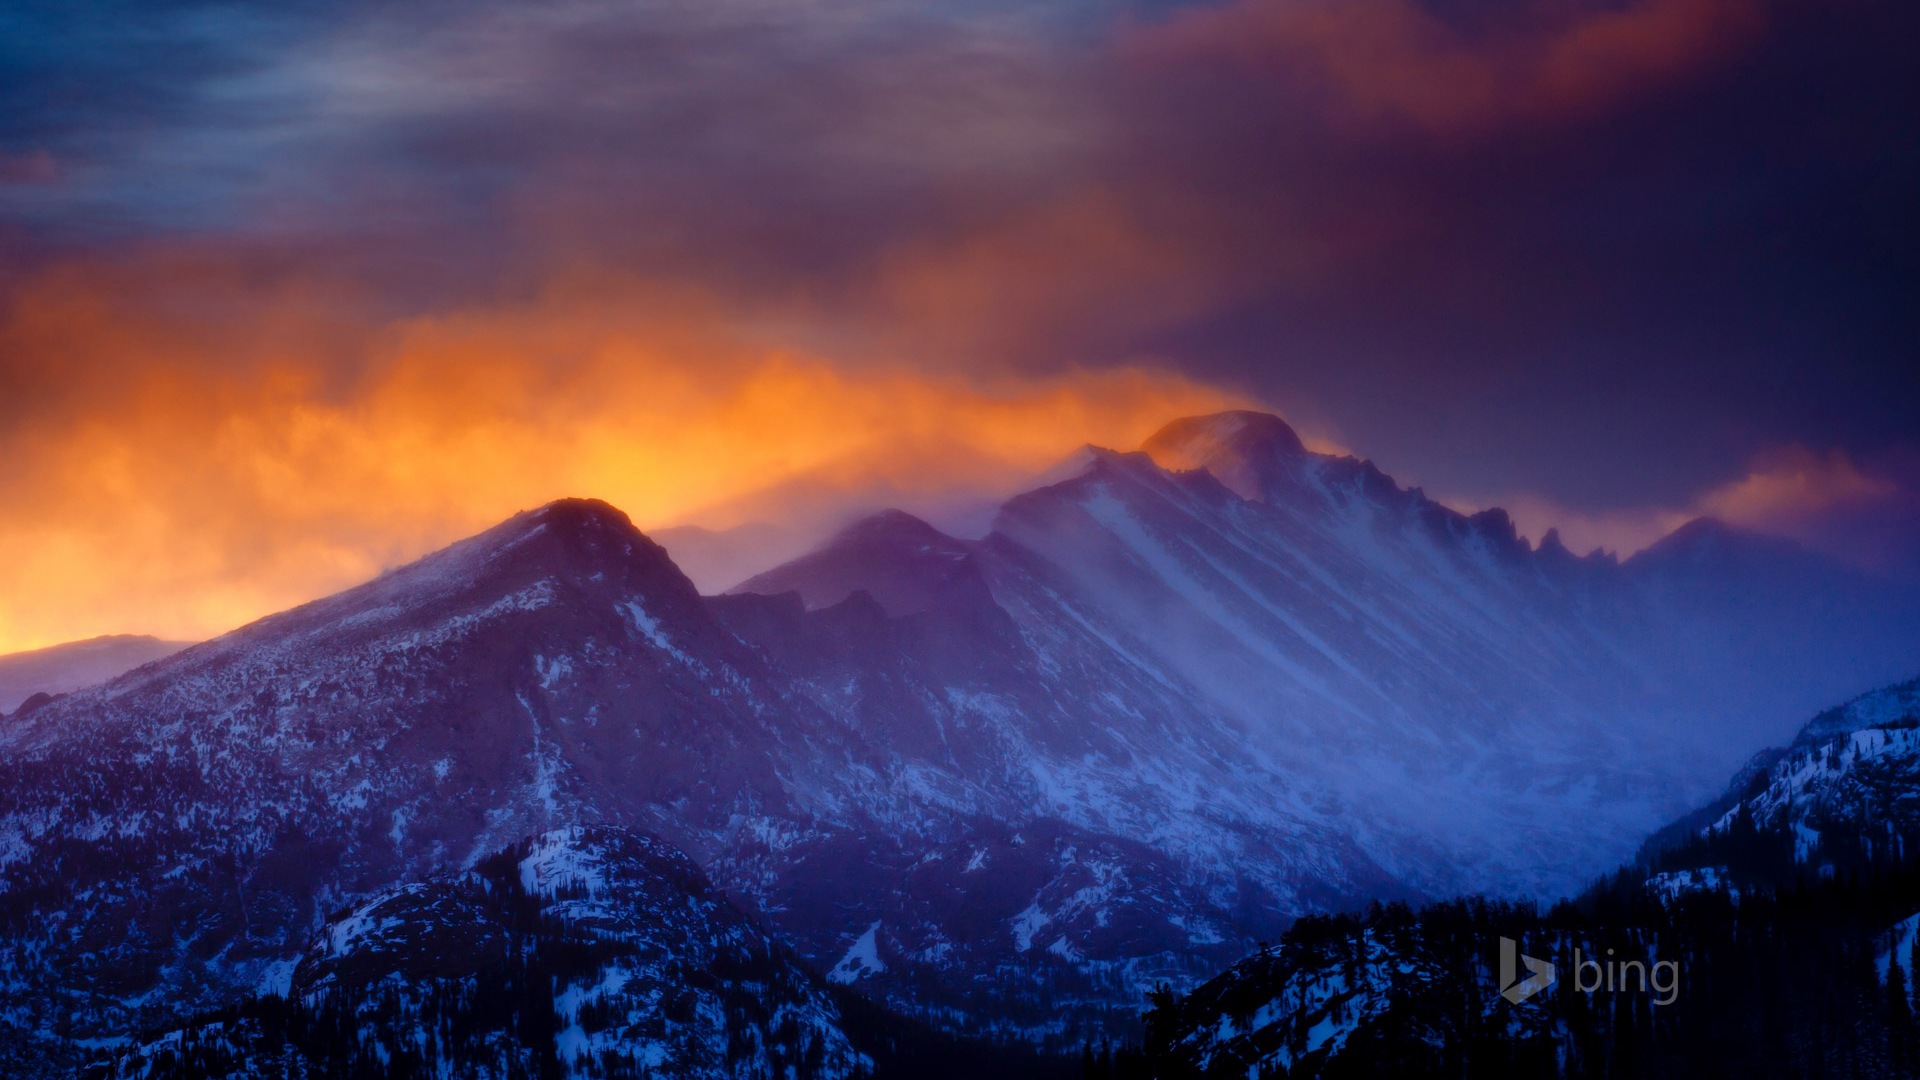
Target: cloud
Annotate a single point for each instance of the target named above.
(1407, 62)
(189, 449)
(1599, 253)
(1866, 513)
(1794, 484)
(35, 167)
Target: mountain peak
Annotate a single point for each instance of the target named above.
(905, 563)
(1699, 530)
(581, 544)
(1242, 449)
(1706, 538)
(586, 529)
(575, 516)
(1239, 431)
(894, 526)
(569, 537)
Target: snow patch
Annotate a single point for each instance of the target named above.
(277, 979)
(558, 862)
(552, 671)
(861, 960)
(649, 628)
(1027, 924)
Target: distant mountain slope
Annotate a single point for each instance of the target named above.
(76, 665)
(1414, 701)
(718, 559)
(1470, 710)
(1785, 913)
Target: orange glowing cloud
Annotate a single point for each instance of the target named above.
(1790, 491)
(1795, 484)
(1083, 268)
(188, 450)
(1398, 60)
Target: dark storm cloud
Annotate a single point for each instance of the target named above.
(1614, 295)
(1603, 255)
(765, 142)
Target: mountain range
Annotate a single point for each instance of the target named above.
(1175, 699)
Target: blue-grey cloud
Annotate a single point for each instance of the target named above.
(1600, 254)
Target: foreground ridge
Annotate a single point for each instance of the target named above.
(584, 952)
(1773, 932)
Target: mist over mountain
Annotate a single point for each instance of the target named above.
(1172, 701)
(717, 559)
(75, 665)
(1785, 913)
(1420, 670)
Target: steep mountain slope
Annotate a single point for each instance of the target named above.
(1681, 627)
(1460, 709)
(76, 665)
(1065, 821)
(164, 840)
(1412, 662)
(1844, 795)
(584, 952)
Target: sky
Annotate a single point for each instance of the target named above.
(291, 293)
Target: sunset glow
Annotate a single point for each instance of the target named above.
(882, 541)
(227, 471)
(334, 292)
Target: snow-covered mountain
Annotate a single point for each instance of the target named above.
(1002, 785)
(1845, 792)
(584, 952)
(1458, 709)
(165, 840)
(62, 669)
(1396, 993)
(1784, 911)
